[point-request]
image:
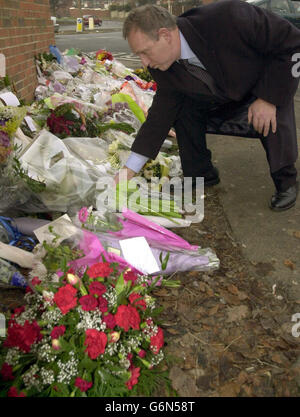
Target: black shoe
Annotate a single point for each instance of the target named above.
(211, 178)
(284, 200)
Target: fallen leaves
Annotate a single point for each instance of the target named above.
(235, 314)
(289, 264)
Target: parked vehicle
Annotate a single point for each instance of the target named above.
(97, 21)
(56, 25)
(287, 9)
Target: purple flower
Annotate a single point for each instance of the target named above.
(4, 139)
(83, 214)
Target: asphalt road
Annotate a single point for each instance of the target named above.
(90, 42)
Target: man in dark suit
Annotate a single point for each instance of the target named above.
(222, 68)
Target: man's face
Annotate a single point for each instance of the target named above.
(158, 54)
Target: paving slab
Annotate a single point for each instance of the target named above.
(270, 240)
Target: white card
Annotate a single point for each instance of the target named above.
(63, 226)
(30, 123)
(2, 66)
(10, 99)
(137, 252)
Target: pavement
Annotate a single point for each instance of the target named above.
(269, 240)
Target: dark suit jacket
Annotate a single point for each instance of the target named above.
(246, 49)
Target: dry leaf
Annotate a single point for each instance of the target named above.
(237, 313)
(183, 383)
(163, 292)
(231, 389)
(289, 264)
(213, 310)
(202, 286)
(242, 377)
(173, 331)
(247, 389)
(277, 358)
(297, 234)
(233, 289)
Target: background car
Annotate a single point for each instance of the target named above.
(97, 21)
(285, 8)
(56, 25)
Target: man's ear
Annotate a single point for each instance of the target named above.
(164, 33)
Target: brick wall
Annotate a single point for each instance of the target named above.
(25, 30)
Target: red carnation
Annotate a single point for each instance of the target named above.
(142, 353)
(65, 298)
(35, 281)
(127, 316)
(137, 300)
(12, 392)
(130, 276)
(133, 380)
(82, 384)
(57, 332)
(99, 270)
(6, 372)
(88, 303)
(103, 303)
(18, 311)
(110, 320)
(97, 288)
(23, 336)
(157, 341)
(95, 342)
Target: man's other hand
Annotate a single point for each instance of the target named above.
(262, 114)
(125, 174)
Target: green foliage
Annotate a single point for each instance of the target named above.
(34, 185)
(58, 257)
(144, 74)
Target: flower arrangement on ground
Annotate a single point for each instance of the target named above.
(92, 332)
(10, 119)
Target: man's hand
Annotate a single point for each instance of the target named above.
(261, 114)
(124, 174)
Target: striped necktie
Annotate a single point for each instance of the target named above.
(202, 75)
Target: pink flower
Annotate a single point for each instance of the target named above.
(110, 320)
(65, 298)
(133, 380)
(102, 304)
(82, 384)
(95, 342)
(97, 288)
(35, 281)
(6, 372)
(126, 317)
(142, 353)
(157, 341)
(12, 392)
(57, 332)
(83, 214)
(137, 301)
(88, 303)
(130, 276)
(100, 269)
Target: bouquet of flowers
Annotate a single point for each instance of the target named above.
(66, 120)
(91, 332)
(10, 119)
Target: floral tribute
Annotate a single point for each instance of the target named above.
(91, 332)
(10, 120)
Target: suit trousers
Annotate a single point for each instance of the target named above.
(201, 114)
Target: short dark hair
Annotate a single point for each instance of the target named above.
(149, 19)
